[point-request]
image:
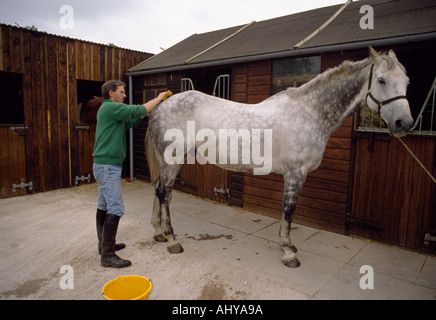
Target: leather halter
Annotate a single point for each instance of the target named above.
(378, 102)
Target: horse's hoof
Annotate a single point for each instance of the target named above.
(293, 263)
(175, 248)
(160, 238)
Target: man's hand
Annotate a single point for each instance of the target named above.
(153, 103)
(167, 95)
(161, 96)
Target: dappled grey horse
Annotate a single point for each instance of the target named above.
(293, 127)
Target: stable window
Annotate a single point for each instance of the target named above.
(12, 105)
(294, 72)
(154, 84)
(89, 100)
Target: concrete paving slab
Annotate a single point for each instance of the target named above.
(191, 205)
(246, 222)
(345, 285)
(418, 292)
(391, 260)
(333, 246)
(427, 276)
(212, 212)
(309, 278)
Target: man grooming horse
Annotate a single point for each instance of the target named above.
(113, 118)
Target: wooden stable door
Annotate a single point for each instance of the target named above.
(393, 198)
(85, 147)
(13, 178)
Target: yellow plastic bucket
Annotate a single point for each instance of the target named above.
(127, 288)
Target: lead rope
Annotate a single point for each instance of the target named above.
(417, 160)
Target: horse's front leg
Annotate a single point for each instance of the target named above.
(293, 184)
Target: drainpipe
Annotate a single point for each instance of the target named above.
(131, 130)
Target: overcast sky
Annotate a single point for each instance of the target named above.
(145, 25)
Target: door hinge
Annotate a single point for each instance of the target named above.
(22, 185)
(221, 190)
(83, 178)
(18, 128)
(428, 238)
(82, 127)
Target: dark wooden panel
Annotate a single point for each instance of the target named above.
(86, 139)
(12, 161)
(64, 137)
(16, 50)
(54, 166)
(38, 159)
(6, 50)
(259, 81)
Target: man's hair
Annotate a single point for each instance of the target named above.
(110, 85)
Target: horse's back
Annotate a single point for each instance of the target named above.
(207, 111)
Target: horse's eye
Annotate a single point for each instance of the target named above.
(381, 80)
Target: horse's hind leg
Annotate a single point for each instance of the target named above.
(161, 219)
(156, 219)
(293, 185)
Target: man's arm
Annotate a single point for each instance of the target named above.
(153, 103)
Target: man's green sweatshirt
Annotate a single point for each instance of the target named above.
(113, 119)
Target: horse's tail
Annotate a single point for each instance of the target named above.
(153, 166)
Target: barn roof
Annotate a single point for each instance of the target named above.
(41, 32)
(332, 27)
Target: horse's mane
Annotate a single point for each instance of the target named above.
(345, 68)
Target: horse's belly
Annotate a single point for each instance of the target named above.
(315, 166)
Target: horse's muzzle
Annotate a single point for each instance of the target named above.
(401, 127)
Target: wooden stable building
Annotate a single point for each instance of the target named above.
(367, 184)
(46, 80)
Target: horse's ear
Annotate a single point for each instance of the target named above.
(373, 53)
(392, 54)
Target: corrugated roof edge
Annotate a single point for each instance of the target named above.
(68, 38)
(156, 55)
(295, 52)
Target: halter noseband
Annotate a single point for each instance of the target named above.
(379, 103)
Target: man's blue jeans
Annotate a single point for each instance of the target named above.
(109, 188)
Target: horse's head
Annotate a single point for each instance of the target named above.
(387, 92)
